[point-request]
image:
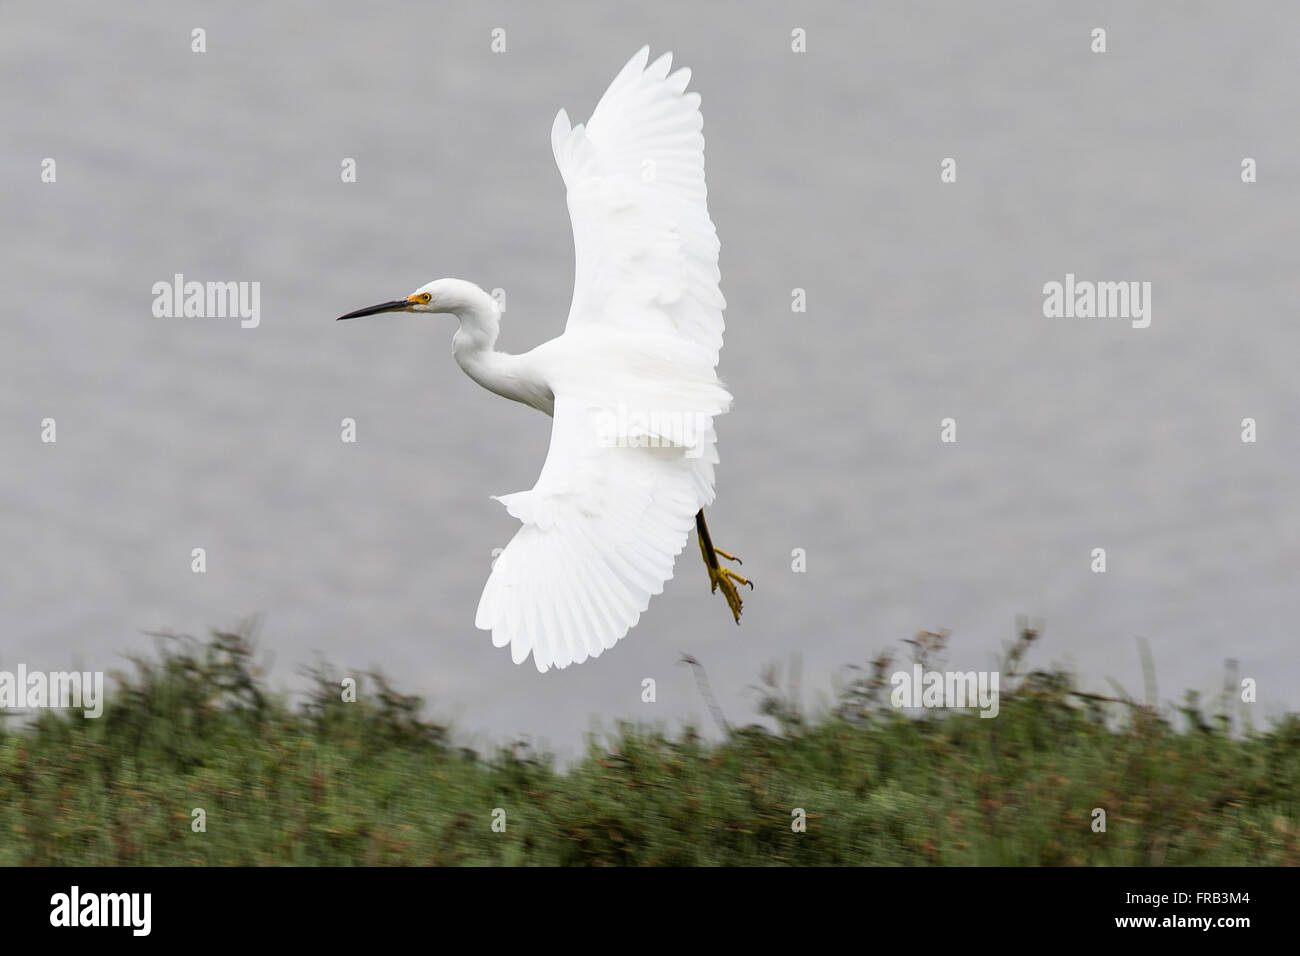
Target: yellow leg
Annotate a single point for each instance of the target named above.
(720, 577)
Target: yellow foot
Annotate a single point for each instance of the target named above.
(720, 577)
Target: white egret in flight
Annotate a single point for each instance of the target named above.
(630, 383)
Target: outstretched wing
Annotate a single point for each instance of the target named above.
(601, 529)
(616, 500)
(645, 249)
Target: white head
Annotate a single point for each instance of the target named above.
(454, 296)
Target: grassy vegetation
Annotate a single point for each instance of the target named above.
(373, 782)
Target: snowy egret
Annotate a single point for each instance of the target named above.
(630, 383)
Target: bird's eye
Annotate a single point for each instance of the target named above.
(425, 297)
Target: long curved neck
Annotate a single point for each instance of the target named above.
(474, 348)
(480, 324)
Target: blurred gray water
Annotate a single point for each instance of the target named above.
(924, 301)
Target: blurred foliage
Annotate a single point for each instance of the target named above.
(374, 782)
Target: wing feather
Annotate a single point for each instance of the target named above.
(603, 527)
(646, 251)
(606, 520)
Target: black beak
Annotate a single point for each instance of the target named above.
(397, 305)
